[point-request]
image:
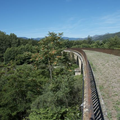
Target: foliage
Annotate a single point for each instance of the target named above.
(50, 49)
(19, 86)
(111, 43)
(23, 58)
(25, 85)
(19, 54)
(60, 99)
(8, 41)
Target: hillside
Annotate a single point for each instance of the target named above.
(105, 36)
(95, 37)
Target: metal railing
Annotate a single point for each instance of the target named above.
(91, 108)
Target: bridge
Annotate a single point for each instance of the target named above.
(91, 106)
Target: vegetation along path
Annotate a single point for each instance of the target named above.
(106, 69)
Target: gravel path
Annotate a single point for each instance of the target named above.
(106, 69)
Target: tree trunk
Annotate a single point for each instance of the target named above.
(50, 69)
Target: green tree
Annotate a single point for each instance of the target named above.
(89, 40)
(49, 51)
(13, 41)
(4, 41)
(8, 41)
(20, 54)
(19, 87)
(60, 99)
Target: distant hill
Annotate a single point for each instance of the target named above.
(105, 36)
(31, 38)
(36, 38)
(73, 38)
(95, 37)
(62, 37)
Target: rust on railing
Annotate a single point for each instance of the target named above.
(104, 50)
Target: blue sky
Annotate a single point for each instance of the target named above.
(75, 18)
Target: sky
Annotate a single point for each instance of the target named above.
(75, 18)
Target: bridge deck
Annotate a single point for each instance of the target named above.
(106, 69)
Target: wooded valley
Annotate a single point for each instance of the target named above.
(37, 79)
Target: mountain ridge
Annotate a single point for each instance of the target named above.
(95, 37)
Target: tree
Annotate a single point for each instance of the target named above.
(60, 99)
(8, 41)
(19, 87)
(89, 40)
(21, 54)
(49, 51)
(113, 43)
(4, 41)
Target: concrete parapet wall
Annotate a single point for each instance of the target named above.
(88, 106)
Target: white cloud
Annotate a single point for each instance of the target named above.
(103, 24)
(113, 18)
(76, 27)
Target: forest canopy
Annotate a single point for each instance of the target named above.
(37, 78)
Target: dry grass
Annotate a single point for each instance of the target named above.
(107, 75)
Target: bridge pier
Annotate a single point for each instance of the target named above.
(78, 60)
